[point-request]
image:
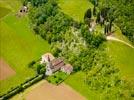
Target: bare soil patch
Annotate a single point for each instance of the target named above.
(48, 91)
(5, 70)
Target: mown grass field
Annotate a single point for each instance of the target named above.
(3, 11)
(18, 46)
(75, 8)
(13, 5)
(76, 81)
(123, 56)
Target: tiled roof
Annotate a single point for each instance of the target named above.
(57, 64)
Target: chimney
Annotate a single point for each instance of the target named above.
(48, 58)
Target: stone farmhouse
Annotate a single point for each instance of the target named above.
(55, 64)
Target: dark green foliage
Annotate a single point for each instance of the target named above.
(88, 14)
(57, 78)
(104, 12)
(31, 63)
(98, 18)
(35, 2)
(41, 69)
(76, 25)
(21, 87)
(39, 15)
(92, 39)
(94, 2)
(121, 12)
(56, 51)
(105, 30)
(110, 26)
(97, 40)
(94, 11)
(49, 22)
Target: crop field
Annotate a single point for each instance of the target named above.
(5, 70)
(47, 91)
(19, 46)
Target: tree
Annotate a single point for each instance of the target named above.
(88, 14)
(121, 12)
(31, 63)
(98, 18)
(35, 3)
(94, 11)
(94, 2)
(40, 69)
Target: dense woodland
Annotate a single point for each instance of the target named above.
(84, 49)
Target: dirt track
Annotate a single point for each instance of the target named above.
(48, 91)
(116, 39)
(5, 70)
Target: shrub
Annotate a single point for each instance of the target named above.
(31, 64)
(21, 87)
(54, 76)
(57, 78)
(40, 69)
(88, 14)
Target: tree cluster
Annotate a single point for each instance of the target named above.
(121, 12)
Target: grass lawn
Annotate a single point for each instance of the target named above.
(18, 47)
(123, 56)
(76, 81)
(118, 34)
(13, 5)
(3, 11)
(75, 8)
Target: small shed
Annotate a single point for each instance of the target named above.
(67, 68)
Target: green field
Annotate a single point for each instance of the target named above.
(123, 56)
(13, 5)
(75, 8)
(76, 81)
(3, 11)
(18, 47)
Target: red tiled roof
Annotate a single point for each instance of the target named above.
(57, 64)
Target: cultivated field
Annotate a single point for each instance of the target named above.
(49, 91)
(46, 91)
(5, 70)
